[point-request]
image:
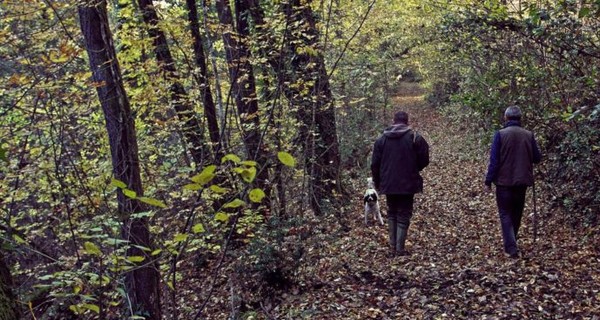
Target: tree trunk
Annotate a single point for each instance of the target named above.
(142, 282)
(243, 85)
(8, 304)
(314, 101)
(202, 78)
(192, 130)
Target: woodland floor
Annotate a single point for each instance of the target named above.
(457, 268)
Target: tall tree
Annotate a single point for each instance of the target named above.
(142, 282)
(202, 78)
(192, 130)
(311, 94)
(241, 75)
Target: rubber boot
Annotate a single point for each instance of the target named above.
(392, 227)
(401, 234)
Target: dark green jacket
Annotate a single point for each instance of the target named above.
(398, 157)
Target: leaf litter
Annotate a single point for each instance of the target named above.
(456, 269)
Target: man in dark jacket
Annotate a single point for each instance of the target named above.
(399, 155)
(513, 153)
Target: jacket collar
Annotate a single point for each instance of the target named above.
(397, 130)
(511, 123)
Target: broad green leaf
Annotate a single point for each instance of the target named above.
(205, 176)
(249, 163)
(156, 252)
(75, 309)
(153, 202)
(91, 248)
(193, 187)
(198, 228)
(256, 195)
(247, 174)
(76, 289)
(136, 258)
(92, 307)
(231, 157)
(286, 158)
(218, 189)
(180, 237)
(118, 183)
(18, 239)
(129, 193)
(234, 204)
(222, 216)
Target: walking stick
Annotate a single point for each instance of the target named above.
(534, 217)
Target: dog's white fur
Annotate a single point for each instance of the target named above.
(372, 203)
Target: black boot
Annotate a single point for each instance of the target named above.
(392, 227)
(401, 234)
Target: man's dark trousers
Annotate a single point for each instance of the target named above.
(511, 201)
(400, 208)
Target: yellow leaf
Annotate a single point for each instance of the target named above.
(249, 163)
(92, 307)
(18, 239)
(136, 258)
(129, 193)
(218, 189)
(180, 237)
(231, 157)
(256, 195)
(153, 202)
(234, 204)
(91, 248)
(205, 176)
(193, 187)
(222, 216)
(198, 228)
(286, 158)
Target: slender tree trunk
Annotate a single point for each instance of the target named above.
(142, 282)
(192, 129)
(8, 304)
(243, 85)
(202, 78)
(315, 109)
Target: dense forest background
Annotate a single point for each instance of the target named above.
(145, 140)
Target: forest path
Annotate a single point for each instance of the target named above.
(457, 268)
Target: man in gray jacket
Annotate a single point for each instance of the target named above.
(398, 157)
(513, 153)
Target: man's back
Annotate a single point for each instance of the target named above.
(516, 157)
(398, 156)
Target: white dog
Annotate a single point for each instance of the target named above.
(372, 203)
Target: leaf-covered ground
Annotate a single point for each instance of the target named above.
(457, 268)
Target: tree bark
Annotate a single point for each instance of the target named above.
(192, 129)
(202, 78)
(142, 282)
(314, 101)
(243, 84)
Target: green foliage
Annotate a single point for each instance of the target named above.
(541, 56)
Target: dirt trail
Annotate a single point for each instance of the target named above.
(457, 268)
